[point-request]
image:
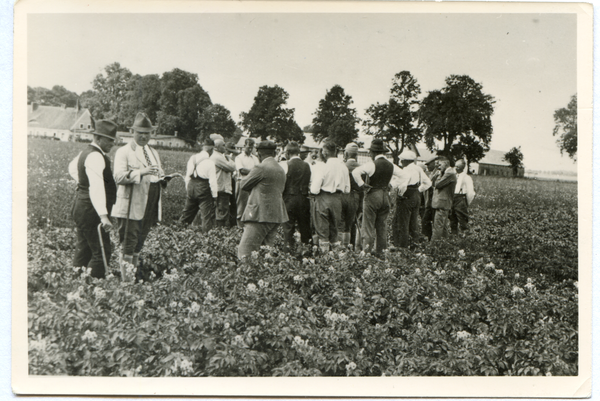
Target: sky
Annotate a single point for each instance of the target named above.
(527, 62)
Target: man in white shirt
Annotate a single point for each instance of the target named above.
(207, 149)
(328, 184)
(464, 193)
(244, 163)
(406, 220)
(96, 195)
(202, 190)
(225, 167)
(376, 204)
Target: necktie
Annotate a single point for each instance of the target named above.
(147, 157)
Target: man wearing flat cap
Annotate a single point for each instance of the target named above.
(138, 174)
(244, 163)
(96, 195)
(376, 204)
(351, 201)
(265, 210)
(408, 201)
(201, 188)
(428, 212)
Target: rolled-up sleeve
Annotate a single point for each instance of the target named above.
(367, 168)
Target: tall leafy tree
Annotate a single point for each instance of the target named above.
(566, 128)
(216, 119)
(143, 94)
(269, 118)
(396, 122)
(89, 100)
(459, 116)
(111, 91)
(334, 119)
(57, 96)
(515, 158)
(182, 103)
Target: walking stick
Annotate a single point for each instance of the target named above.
(102, 248)
(122, 267)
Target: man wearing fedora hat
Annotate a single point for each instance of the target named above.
(96, 195)
(138, 173)
(265, 210)
(244, 163)
(406, 220)
(376, 204)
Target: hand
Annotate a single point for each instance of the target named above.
(149, 170)
(105, 221)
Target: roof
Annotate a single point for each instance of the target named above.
(54, 117)
(128, 134)
(494, 157)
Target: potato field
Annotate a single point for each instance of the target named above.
(503, 300)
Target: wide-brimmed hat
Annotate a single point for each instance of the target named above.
(266, 145)
(230, 146)
(377, 146)
(142, 123)
(407, 155)
(105, 128)
(304, 149)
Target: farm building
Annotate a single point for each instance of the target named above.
(493, 163)
(59, 122)
(156, 140)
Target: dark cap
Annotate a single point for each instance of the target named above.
(266, 145)
(208, 142)
(105, 128)
(377, 146)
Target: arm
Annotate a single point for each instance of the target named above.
(317, 181)
(446, 179)
(346, 182)
(123, 175)
(212, 181)
(425, 181)
(191, 166)
(73, 168)
(94, 166)
(367, 168)
(252, 179)
(470, 189)
(401, 179)
(240, 167)
(224, 164)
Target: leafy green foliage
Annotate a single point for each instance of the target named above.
(396, 122)
(143, 94)
(268, 118)
(111, 92)
(515, 158)
(566, 127)
(459, 115)
(502, 301)
(334, 119)
(56, 96)
(216, 119)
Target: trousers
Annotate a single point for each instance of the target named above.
(328, 214)
(349, 210)
(222, 211)
(441, 224)
(376, 208)
(199, 197)
(88, 251)
(298, 210)
(256, 234)
(459, 216)
(406, 219)
(133, 240)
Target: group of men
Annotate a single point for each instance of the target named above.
(330, 201)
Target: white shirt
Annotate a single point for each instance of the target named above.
(464, 185)
(94, 168)
(207, 170)
(413, 174)
(192, 164)
(244, 161)
(331, 177)
(139, 151)
(369, 168)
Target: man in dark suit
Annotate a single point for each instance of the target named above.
(444, 182)
(265, 209)
(295, 196)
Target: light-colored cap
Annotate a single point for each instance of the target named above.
(216, 137)
(408, 155)
(351, 147)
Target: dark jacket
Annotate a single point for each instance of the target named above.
(297, 178)
(265, 183)
(443, 192)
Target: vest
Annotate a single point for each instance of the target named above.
(297, 178)
(353, 185)
(384, 170)
(83, 187)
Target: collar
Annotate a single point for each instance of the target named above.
(379, 157)
(99, 148)
(351, 159)
(295, 157)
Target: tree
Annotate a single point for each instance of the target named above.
(334, 119)
(566, 128)
(459, 115)
(216, 119)
(396, 122)
(515, 158)
(268, 118)
(143, 94)
(57, 96)
(182, 103)
(89, 100)
(111, 92)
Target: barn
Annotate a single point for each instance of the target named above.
(493, 163)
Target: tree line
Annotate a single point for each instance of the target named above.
(454, 120)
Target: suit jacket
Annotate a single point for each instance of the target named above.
(443, 192)
(265, 183)
(127, 168)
